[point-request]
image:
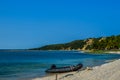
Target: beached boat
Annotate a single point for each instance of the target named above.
(55, 69)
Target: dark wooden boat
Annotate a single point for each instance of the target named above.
(54, 69)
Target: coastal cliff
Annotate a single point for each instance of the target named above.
(101, 43)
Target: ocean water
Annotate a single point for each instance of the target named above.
(25, 65)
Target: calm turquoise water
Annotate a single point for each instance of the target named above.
(29, 64)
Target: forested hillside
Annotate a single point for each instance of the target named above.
(102, 43)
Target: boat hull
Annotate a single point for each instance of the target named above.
(65, 69)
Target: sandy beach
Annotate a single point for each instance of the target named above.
(108, 71)
(113, 52)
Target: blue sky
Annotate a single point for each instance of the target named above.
(34, 23)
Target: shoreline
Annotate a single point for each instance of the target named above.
(100, 51)
(82, 51)
(107, 71)
(113, 52)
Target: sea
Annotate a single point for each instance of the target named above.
(26, 65)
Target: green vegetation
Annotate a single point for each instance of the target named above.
(92, 44)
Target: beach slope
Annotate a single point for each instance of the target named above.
(108, 71)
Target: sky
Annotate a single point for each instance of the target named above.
(34, 23)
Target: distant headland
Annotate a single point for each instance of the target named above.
(111, 43)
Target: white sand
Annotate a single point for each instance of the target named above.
(113, 52)
(109, 71)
